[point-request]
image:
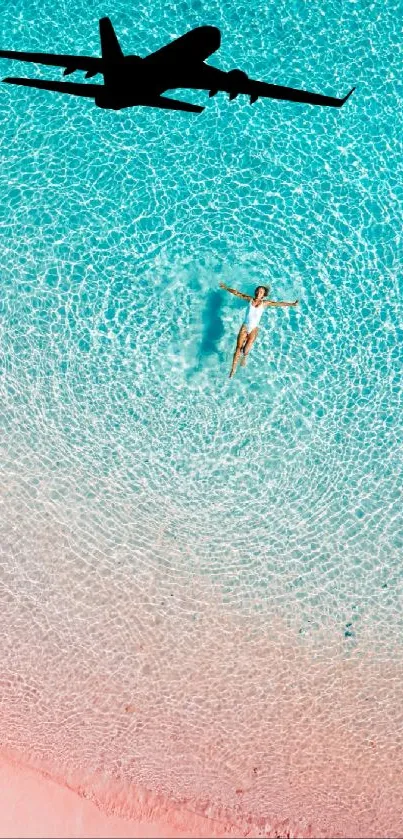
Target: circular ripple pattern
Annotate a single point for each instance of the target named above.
(201, 578)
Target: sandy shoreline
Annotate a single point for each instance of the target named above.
(35, 806)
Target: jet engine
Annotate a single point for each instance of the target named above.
(89, 74)
(237, 83)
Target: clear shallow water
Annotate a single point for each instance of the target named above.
(132, 465)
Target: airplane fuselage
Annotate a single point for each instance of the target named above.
(134, 80)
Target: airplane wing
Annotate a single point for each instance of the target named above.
(97, 91)
(172, 105)
(290, 94)
(74, 89)
(71, 62)
(236, 82)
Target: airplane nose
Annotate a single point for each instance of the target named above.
(210, 35)
(213, 35)
(204, 40)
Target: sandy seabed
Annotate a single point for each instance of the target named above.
(200, 718)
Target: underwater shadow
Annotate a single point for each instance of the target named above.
(213, 327)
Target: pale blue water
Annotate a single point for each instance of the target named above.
(116, 229)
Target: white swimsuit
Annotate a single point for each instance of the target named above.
(252, 316)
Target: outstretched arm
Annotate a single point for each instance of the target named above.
(234, 291)
(279, 303)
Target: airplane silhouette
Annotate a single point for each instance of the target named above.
(130, 80)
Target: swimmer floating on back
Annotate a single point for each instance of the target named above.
(249, 329)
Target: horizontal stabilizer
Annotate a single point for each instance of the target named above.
(74, 89)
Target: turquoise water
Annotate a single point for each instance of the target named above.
(283, 484)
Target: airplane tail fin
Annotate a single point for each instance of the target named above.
(110, 49)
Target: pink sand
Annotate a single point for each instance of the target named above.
(32, 805)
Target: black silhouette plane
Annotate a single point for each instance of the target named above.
(130, 80)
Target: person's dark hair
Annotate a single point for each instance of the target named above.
(265, 289)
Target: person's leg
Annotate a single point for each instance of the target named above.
(250, 339)
(241, 341)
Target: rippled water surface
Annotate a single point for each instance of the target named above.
(160, 521)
